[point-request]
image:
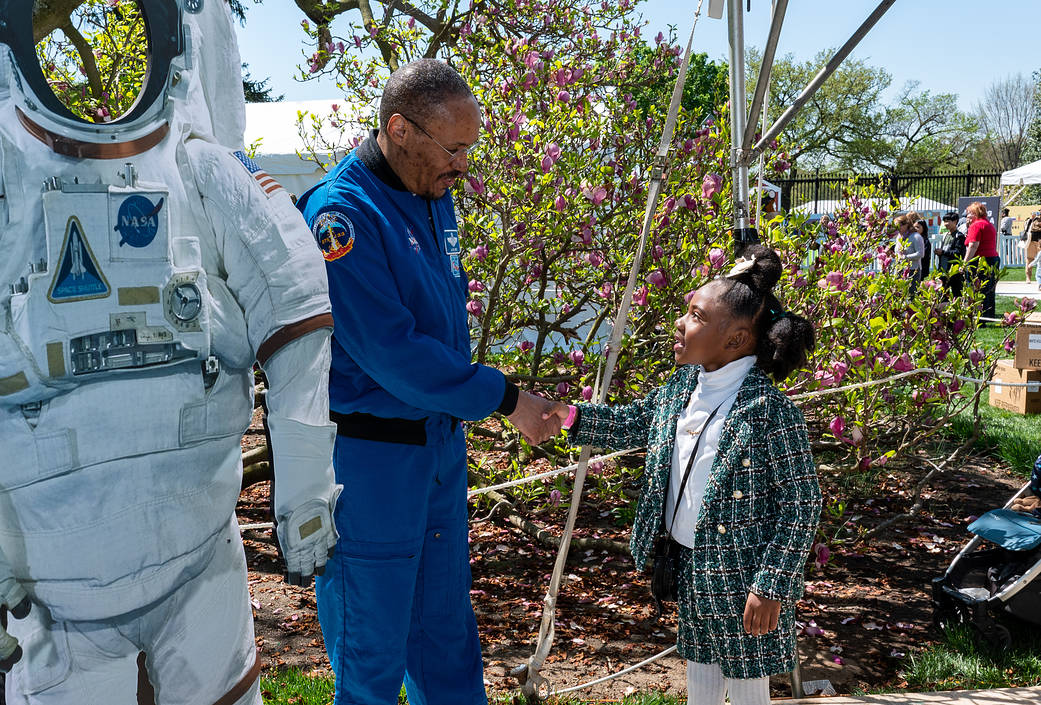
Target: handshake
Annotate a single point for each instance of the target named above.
(538, 419)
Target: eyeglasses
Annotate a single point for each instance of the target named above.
(452, 156)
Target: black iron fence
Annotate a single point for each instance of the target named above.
(816, 191)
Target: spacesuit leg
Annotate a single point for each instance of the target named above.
(199, 647)
(444, 651)
(365, 596)
(63, 663)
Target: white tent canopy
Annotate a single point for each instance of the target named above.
(907, 203)
(1023, 176)
(277, 132)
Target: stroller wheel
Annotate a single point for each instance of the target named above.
(946, 614)
(996, 635)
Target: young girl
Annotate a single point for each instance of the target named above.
(747, 514)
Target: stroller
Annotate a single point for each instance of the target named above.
(988, 588)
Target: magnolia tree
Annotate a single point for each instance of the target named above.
(554, 201)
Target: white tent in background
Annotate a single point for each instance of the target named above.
(276, 130)
(1020, 177)
(907, 203)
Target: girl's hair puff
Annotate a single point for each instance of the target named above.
(784, 339)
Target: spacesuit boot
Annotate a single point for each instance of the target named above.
(147, 263)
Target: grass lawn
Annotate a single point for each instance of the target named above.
(960, 662)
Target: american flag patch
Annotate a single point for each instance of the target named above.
(267, 183)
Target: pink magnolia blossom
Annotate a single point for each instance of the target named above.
(838, 426)
(560, 203)
(532, 60)
(1009, 345)
(711, 185)
(670, 204)
(687, 297)
(564, 97)
(553, 151)
(597, 195)
(474, 185)
(554, 497)
(835, 279)
(476, 286)
(605, 290)
(563, 388)
(640, 297)
(689, 201)
(942, 348)
(526, 345)
(475, 307)
(657, 279)
(587, 393)
(958, 326)
(479, 253)
(717, 257)
(594, 258)
(903, 364)
(577, 356)
(976, 356)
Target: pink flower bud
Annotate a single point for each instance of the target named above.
(838, 426)
(475, 307)
(657, 279)
(594, 258)
(717, 258)
(560, 203)
(563, 388)
(711, 185)
(976, 356)
(479, 253)
(577, 356)
(564, 97)
(554, 497)
(587, 392)
(605, 290)
(476, 286)
(903, 364)
(640, 297)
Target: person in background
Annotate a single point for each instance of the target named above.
(1005, 226)
(951, 251)
(981, 254)
(909, 247)
(1032, 236)
(1031, 503)
(922, 228)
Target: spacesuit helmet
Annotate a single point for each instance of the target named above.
(184, 37)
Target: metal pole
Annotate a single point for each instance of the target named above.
(819, 79)
(762, 83)
(739, 166)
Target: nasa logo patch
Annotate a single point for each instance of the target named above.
(137, 221)
(335, 234)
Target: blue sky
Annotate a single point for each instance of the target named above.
(950, 46)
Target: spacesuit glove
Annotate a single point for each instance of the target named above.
(16, 600)
(308, 538)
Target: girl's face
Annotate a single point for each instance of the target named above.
(920, 228)
(708, 334)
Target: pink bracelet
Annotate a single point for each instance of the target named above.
(572, 413)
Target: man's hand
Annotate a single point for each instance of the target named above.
(14, 598)
(530, 418)
(761, 614)
(307, 536)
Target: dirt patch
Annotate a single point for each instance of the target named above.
(863, 614)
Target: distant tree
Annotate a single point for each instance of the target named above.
(706, 88)
(847, 110)
(921, 132)
(257, 91)
(847, 126)
(1032, 149)
(1005, 114)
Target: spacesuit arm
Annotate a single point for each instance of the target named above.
(301, 453)
(379, 332)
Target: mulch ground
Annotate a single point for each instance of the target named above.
(863, 614)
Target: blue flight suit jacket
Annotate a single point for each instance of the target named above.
(401, 342)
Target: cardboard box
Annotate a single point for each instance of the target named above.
(1028, 343)
(1022, 400)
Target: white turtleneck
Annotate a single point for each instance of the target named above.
(716, 388)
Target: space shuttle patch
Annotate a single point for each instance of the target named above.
(78, 276)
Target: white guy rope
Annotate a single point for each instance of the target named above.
(612, 676)
(544, 475)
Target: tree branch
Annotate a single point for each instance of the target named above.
(86, 52)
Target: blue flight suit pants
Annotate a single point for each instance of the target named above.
(394, 602)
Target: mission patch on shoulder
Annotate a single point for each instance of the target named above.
(335, 234)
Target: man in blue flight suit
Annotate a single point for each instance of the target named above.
(394, 602)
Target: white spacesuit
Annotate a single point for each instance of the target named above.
(144, 265)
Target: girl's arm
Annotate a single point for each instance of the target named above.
(615, 427)
(799, 495)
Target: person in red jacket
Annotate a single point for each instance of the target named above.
(981, 242)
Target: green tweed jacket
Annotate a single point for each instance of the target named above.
(757, 521)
